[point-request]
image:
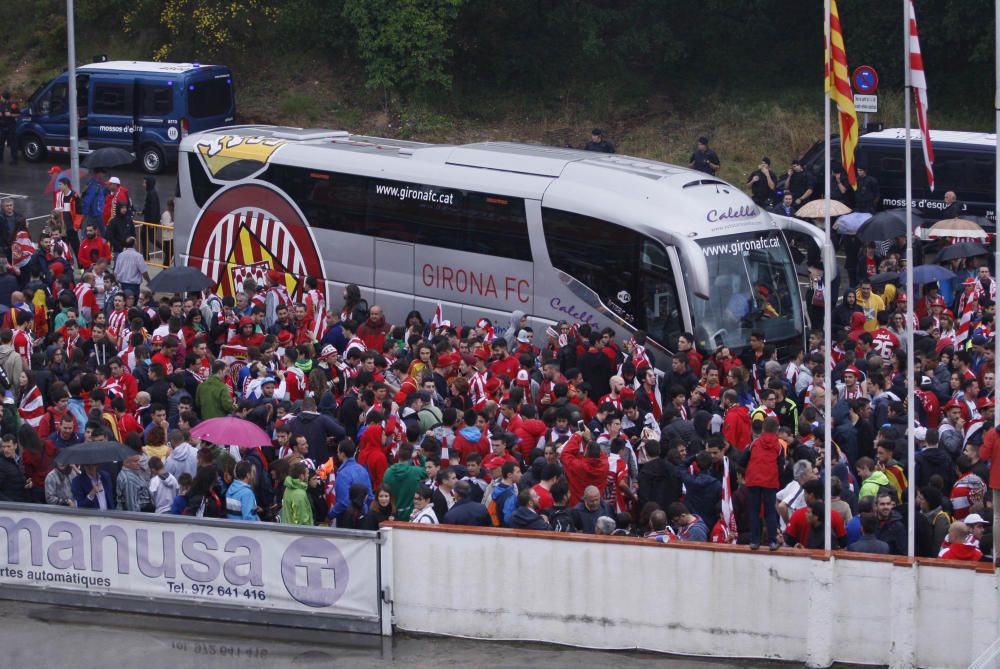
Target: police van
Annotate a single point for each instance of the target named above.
(964, 162)
(145, 108)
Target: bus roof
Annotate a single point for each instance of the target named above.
(943, 136)
(143, 67)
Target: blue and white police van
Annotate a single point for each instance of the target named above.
(143, 107)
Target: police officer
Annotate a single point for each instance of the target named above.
(866, 198)
(9, 111)
(598, 143)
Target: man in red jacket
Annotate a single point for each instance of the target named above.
(374, 330)
(736, 426)
(93, 242)
(585, 466)
(370, 453)
(764, 462)
(991, 442)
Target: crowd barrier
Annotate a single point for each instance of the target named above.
(157, 251)
(608, 593)
(704, 600)
(196, 568)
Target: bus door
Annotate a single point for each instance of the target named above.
(394, 276)
(111, 121)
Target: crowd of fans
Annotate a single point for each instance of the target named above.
(495, 424)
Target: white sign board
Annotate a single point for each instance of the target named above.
(866, 103)
(218, 563)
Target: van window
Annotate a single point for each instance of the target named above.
(210, 97)
(155, 100)
(113, 99)
(55, 101)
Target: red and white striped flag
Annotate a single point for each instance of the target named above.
(919, 83)
(728, 517)
(31, 408)
(967, 309)
(436, 321)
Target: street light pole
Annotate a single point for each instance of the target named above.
(74, 123)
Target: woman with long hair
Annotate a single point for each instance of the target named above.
(383, 508)
(355, 307)
(203, 500)
(38, 459)
(194, 324)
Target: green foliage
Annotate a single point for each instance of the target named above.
(404, 43)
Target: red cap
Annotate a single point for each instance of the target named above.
(938, 302)
(628, 393)
(447, 360)
(55, 169)
(245, 320)
(157, 340)
(482, 354)
(285, 337)
(493, 385)
(984, 402)
(853, 370)
(470, 360)
(493, 461)
(971, 281)
(952, 404)
(523, 378)
(901, 298)
(764, 291)
(276, 276)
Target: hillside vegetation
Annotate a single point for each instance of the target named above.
(655, 75)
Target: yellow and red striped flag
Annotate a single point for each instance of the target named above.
(838, 86)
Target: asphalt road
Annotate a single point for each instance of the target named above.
(36, 635)
(26, 183)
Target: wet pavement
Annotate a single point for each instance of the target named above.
(26, 183)
(38, 635)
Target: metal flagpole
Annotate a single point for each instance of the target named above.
(996, 265)
(74, 139)
(910, 443)
(829, 267)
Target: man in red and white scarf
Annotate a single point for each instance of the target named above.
(23, 317)
(967, 305)
(985, 284)
(479, 378)
(86, 299)
(648, 397)
(118, 318)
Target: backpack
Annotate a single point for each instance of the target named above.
(495, 507)
(562, 521)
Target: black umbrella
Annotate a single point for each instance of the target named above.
(108, 157)
(886, 225)
(884, 277)
(962, 250)
(179, 280)
(94, 453)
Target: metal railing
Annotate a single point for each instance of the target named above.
(157, 251)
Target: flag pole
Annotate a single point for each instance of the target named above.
(996, 265)
(829, 267)
(910, 443)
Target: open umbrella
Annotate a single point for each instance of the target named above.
(886, 225)
(848, 224)
(94, 453)
(927, 274)
(884, 278)
(179, 280)
(956, 227)
(817, 209)
(55, 174)
(109, 156)
(231, 431)
(962, 250)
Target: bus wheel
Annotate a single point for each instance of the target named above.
(152, 159)
(32, 148)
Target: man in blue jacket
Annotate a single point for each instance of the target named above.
(93, 201)
(466, 511)
(92, 489)
(702, 491)
(241, 503)
(349, 473)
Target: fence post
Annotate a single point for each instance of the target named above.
(820, 623)
(903, 603)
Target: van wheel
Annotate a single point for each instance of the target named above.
(152, 160)
(32, 148)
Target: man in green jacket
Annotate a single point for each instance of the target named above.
(871, 479)
(403, 480)
(213, 396)
(295, 506)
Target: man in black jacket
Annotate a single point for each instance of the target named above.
(891, 528)
(658, 479)
(526, 516)
(596, 367)
(465, 511)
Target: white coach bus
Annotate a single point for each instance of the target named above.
(485, 229)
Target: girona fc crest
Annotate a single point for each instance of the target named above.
(249, 230)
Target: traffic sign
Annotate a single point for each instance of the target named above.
(866, 103)
(865, 79)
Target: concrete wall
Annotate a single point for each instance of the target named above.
(721, 601)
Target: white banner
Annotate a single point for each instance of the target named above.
(247, 565)
(866, 103)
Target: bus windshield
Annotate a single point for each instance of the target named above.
(754, 287)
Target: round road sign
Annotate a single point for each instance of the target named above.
(865, 80)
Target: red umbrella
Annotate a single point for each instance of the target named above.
(231, 431)
(55, 172)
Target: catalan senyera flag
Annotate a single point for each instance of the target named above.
(839, 86)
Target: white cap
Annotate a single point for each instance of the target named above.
(975, 519)
(115, 180)
(522, 337)
(920, 434)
